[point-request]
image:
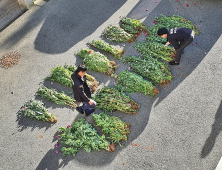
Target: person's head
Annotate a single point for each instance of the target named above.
(81, 70)
(162, 32)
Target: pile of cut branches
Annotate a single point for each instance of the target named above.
(107, 48)
(150, 68)
(62, 75)
(117, 34)
(155, 49)
(168, 22)
(112, 126)
(81, 134)
(132, 82)
(110, 99)
(57, 97)
(133, 26)
(96, 61)
(35, 109)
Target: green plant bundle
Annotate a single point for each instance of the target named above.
(132, 82)
(176, 21)
(155, 49)
(168, 22)
(57, 97)
(117, 34)
(107, 48)
(79, 135)
(132, 26)
(112, 126)
(110, 99)
(96, 61)
(62, 75)
(150, 68)
(35, 109)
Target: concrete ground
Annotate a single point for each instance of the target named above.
(178, 129)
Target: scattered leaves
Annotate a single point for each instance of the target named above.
(149, 148)
(133, 144)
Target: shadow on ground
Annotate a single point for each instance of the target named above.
(216, 129)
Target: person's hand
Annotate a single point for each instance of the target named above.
(90, 102)
(168, 43)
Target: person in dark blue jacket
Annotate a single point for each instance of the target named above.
(180, 38)
(81, 91)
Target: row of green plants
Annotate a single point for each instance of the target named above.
(112, 126)
(116, 34)
(110, 99)
(60, 98)
(156, 50)
(133, 26)
(95, 61)
(35, 109)
(131, 82)
(150, 68)
(168, 22)
(62, 75)
(82, 134)
(107, 48)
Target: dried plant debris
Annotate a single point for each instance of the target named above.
(10, 59)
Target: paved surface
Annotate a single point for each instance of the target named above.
(181, 125)
(9, 11)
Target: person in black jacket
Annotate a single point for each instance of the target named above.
(180, 38)
(82, 92)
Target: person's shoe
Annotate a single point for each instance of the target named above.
(79, 110)
(173, 63)
(88, 112)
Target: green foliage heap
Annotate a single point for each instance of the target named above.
(112, 126)
(117, 34)
(35, 109)
(96, 61)
(132, 82)
(168, 22)
(150, 68)
(62, 75)
(107, 48)
(110, 99)
(79, 135)
(57, 97)
(155, 49)
(132, 26)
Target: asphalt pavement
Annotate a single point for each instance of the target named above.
(177, 129)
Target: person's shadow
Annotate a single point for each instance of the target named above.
(216, 129)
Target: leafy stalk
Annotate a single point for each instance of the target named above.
(79, 135)
(62, 75)
(110, 99)
(132, 82)
(57, 97)
(96, 61)
(155, 49)
(117, 34)
(107, 48)
(132, 26)
(150, 68)
(35, 109)
(113, 126)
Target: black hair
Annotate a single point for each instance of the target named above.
(162, 31)
(81, 68)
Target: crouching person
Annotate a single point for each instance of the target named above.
(82, 92)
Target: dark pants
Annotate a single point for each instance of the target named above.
(183, 44)
(87, 106)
